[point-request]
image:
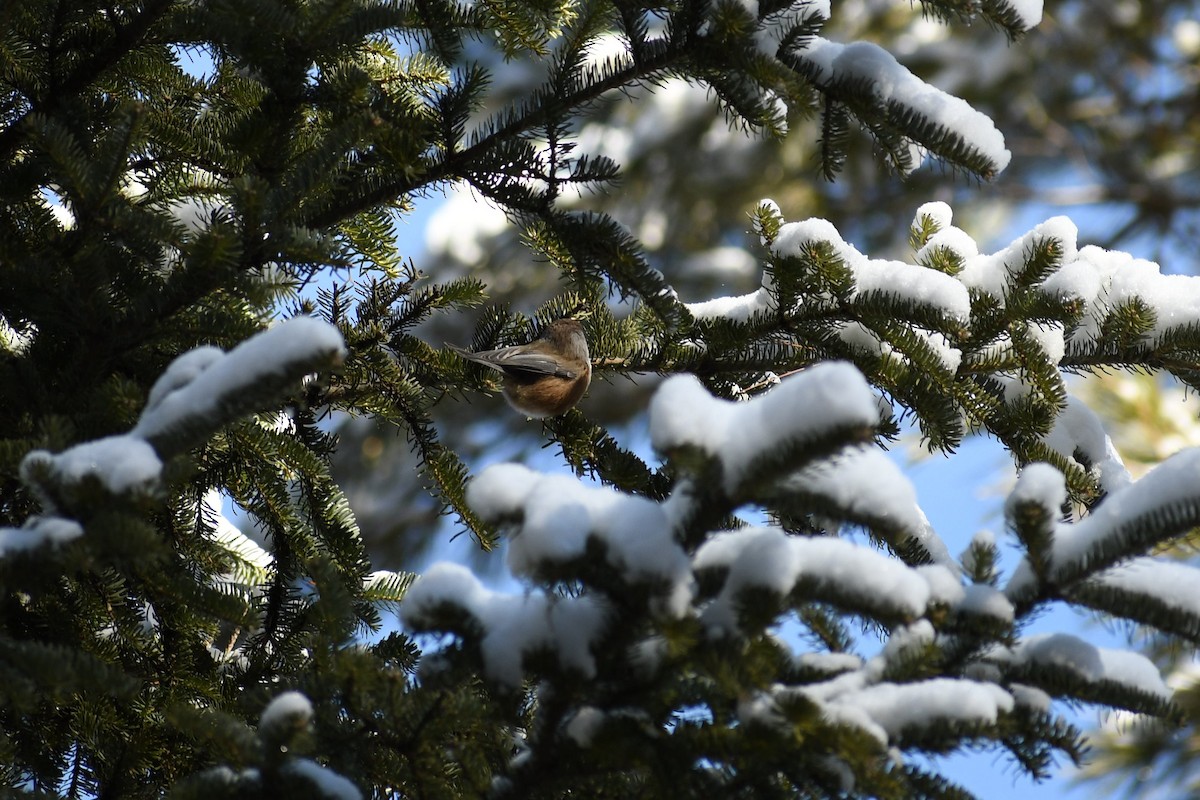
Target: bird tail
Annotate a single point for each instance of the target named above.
(474, 357)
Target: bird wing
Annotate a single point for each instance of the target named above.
(516, 360)
(532, 363)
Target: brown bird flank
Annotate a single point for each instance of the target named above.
(546, 377)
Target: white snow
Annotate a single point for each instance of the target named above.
(886, 710)
(803, 406)
(17, 342)
(249, 553)
(891, 82)
(199, 387)
(830, 663)
(865, 482)
(1023, 583)
(37, 531)
(197, 383)
(559, 515)
(1030, 11)
(897, 708)
(738, 307)
(982, 542)
(771, 29)
(124, 464)
(909, 282)
(1050, 336)
(761, 708)
(1031, 697)
(512, 626)
(1092, 664)
(584, 724)
(827, 568)
(1041, 484)
(182, 371)
(951, 239)
(913, 637)
(1171, 482)
(224, 773)
(330, 784)
(1099, 280)
(1078, 428)
(985, 601)
(867, 341)
(992, 273)
(287, 711)
(1104, 279)
(945, 586)
(1171, 583)
(121, 464)
(938, 212)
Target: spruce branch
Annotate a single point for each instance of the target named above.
(123, 38)
(546, 109)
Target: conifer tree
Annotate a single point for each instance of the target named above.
(1151, 418)
(1090, 137)
(198, 269)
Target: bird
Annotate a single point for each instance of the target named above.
(545, 377)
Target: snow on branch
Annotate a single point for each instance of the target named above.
(329, 784)
(287, 717)
(866, 486)
(509, 628)
(1079, 434)
(941, 337)
(1026, 14)
(819, 568)
(558, 517)
(913, 283)
(1107, 280)
(1067, 665)
(205, 389)
(249, 564)
(888, 711)
(646, 594)
(740, 307)
(1101, 285)
(910, 283)
(284, 716)
(616, 546)
(806, 409)
(1158, 593)
(119, 465)
(1164, 503)
(834, 66)
(1032, 510)
(1100, 281)
(38, 531)
(200, 391)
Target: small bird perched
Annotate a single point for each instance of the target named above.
(546, 377)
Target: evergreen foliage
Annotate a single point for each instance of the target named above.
(199, 266)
